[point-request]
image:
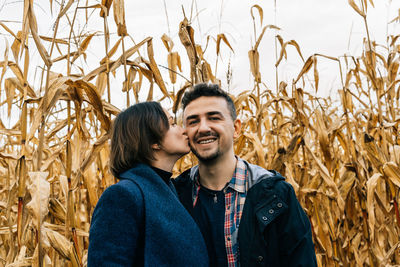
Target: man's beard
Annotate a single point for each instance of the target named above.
(210, 157)
(206, 159)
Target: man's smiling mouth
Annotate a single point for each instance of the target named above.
(207, 141)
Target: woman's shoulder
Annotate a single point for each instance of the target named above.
(125, 191)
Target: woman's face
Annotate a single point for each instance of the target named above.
(175, 141)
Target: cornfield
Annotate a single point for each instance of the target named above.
(341, 158)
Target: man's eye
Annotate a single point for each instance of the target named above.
(192, 122)
(214, 118)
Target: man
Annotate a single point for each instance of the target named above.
(248, 216)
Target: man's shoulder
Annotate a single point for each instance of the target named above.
(183, 185)
(184, 177)
(183, 182)
(262, 179)
(256, 174)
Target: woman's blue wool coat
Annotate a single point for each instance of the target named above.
(140, 222)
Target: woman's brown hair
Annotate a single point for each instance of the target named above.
(133, 133)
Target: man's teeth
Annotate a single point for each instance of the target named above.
(206, 141)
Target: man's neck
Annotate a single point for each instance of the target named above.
(215, 175)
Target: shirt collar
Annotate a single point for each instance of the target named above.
(238, 181)
(239, 177)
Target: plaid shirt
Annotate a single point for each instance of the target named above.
(235, 195)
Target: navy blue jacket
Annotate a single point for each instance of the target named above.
(274, 230)
(140, 222)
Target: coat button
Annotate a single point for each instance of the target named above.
(271, 211)
(260, 258)
(265, 218)
(279, 205)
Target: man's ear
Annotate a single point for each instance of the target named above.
(155, 146)
(237, 125)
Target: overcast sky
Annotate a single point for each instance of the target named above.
(329, 27)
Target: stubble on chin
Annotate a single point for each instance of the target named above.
(205, 159)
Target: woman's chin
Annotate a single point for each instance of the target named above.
(185, 152)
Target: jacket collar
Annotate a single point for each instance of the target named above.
(143, 174)
(238, 181)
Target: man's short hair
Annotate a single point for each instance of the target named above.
(208, 89)
(133, 133)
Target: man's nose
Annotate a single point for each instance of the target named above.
(203, 126)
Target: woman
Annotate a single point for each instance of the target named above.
(139, 221)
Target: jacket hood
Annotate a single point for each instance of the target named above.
(258, 173)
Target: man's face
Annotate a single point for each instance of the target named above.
(210, 127)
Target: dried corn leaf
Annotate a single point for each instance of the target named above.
(57, 210)
(371, 188)
(65, 8)
(94, 100)
(327, 178)
(106, 4)
(33, 26)
(222, 37)
(178, 97)
(262, 34)
(64, 185)
(128, 53)
(390, 253)
(322, 229)
(260, 12)
(392, 171)
(374, 153)
(101, 83)
(254, 58)
(60, 243)
(322, 133)
(39, 189)
(90, 179)
(356, 8)
(10, 92)
(55, 40)
(17, 84)
(119, 17)
(316, 76)
(296, 45)
(16, 46)
(305, 68)
(172, 65)
(84, 45)
(153, 66)
(346, 183)
(91, 154)
(111, 52)
(186, 34)
(8, 30)
(258, 148)
(168, 43)
(283, 49)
